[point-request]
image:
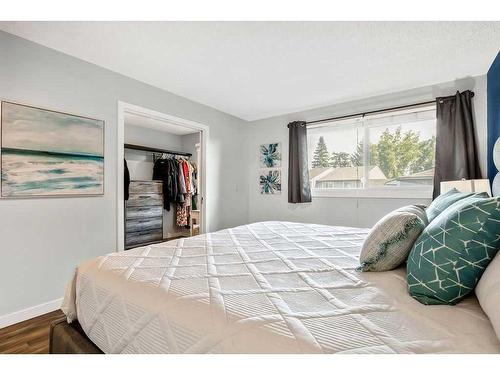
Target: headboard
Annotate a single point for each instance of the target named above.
(494, 125)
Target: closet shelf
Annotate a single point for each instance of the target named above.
(155, 150)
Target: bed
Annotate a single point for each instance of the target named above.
(269, 287)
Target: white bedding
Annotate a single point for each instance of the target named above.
(271, 287)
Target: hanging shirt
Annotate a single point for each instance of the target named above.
(166, 171)
(193, 177)
(182, 179)
(126, 180)
(182, 215)
(187, 178)
(194, 184)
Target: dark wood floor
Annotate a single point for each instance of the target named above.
(30, 336)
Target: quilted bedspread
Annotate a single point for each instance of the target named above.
(270, 287)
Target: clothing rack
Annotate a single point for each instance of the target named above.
(156, 150)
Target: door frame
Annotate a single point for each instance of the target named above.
(123, 108)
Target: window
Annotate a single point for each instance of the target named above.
(385, 154)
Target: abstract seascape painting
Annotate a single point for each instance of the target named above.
(47, 153)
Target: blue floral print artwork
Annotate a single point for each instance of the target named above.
(270, 181)
(270, 155)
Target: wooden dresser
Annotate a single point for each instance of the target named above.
(144, 213)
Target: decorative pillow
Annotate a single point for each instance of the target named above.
(488, 293)
(451, 254)
(391, 239)
(443, 201)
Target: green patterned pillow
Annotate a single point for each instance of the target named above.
(443, 201)
(451, 254)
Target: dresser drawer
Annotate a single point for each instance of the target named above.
(141, 224)
(143, 212)
(139, 187)
(144, 199)
(142, 237)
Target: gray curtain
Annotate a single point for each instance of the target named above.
(299, 190)
(456, 155)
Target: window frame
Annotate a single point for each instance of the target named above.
(387, 192)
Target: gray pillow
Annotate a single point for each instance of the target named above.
(390, 240)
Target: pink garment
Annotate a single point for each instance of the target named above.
(185, 179)
(187, 176)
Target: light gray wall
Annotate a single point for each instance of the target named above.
(42, 240)
(140, 164)
(189, 142)
(360, 212)
(152, 138)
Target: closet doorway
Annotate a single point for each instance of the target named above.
(161, 177)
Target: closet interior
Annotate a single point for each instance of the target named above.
(162, 181)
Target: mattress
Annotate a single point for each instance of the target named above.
(269, 287)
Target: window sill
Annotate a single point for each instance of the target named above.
(385, 193)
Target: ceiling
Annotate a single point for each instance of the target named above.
(254, 70)
(132, 119)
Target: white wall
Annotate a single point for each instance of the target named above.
(42, 240)
(361, 212)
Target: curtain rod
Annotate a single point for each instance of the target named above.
(155, 150)
(375, 111)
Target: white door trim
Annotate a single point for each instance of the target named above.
(131, 108)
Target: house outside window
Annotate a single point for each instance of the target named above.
(387, 154)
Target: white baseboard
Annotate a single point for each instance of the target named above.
(30, 312)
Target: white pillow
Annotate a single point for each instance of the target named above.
(390, 240)
(488, 293)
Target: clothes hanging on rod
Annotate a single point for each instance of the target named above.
(179, 177)
(164, 170)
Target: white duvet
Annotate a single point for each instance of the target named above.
(271, 287)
